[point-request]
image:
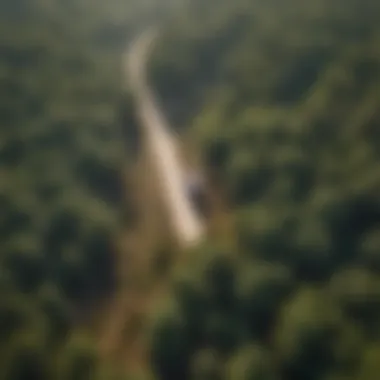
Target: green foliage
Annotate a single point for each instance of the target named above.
(62, 163)
(60, 146)
(282, 98)
(250, 362)
(36, 341)
(170, 346)
(206, 365)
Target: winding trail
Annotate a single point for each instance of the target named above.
(129, 305)
(185, 222)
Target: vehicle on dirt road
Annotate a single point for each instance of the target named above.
(195, 188)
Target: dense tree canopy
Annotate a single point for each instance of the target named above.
(62, 161)
(283, 99)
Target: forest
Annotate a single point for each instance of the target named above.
(62, 193)
(281, 100)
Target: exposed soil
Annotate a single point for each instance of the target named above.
(121, 326)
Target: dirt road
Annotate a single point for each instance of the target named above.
(185, 222)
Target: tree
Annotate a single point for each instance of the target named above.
(305, 335)
(251, 362)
